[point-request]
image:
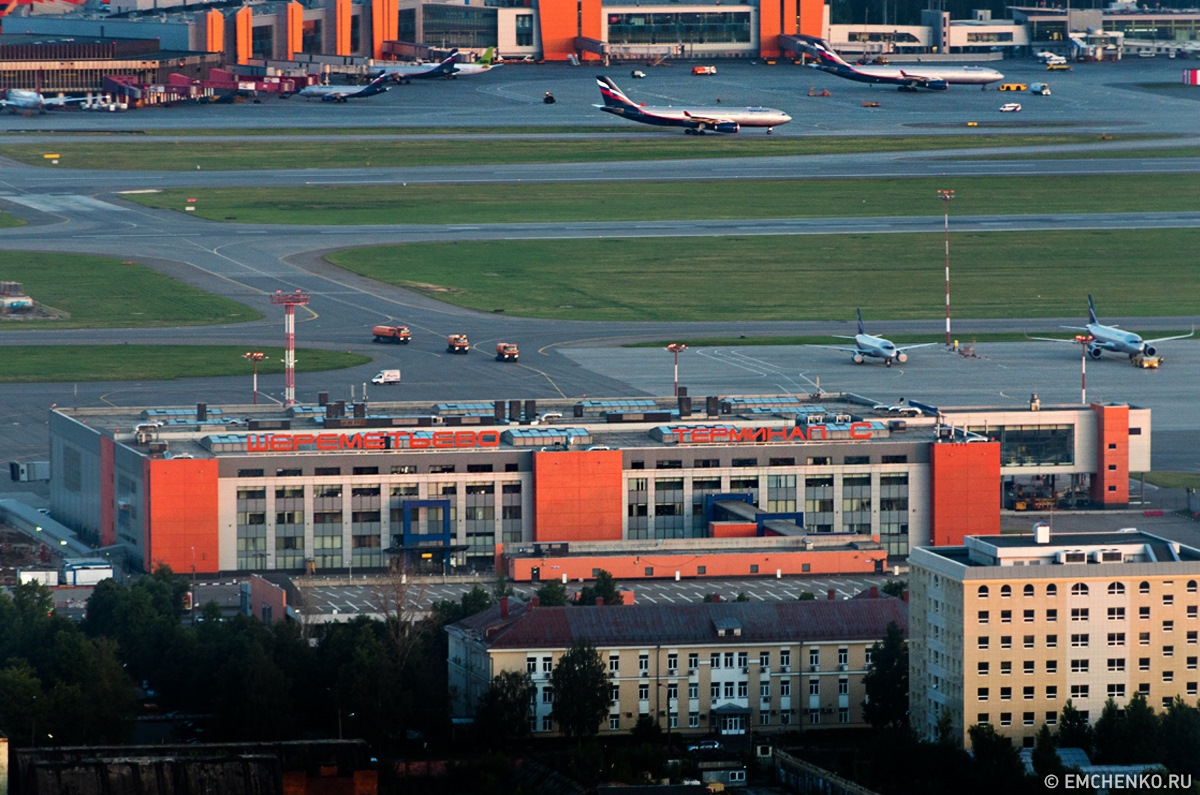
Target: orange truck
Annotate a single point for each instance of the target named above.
(457, 343)
(397, 334)
(507, 352)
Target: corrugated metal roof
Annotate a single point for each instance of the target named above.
(650, 625)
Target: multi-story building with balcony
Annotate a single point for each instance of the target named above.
(725, 668)
(1006, 629)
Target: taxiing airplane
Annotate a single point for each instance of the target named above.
(1112, 339)
(906, 78)
(484, 64)
(694, 121)
(404, 73)
(343, 93)
(20, 100)
(868, 345)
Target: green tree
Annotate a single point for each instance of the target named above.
(604, 588)
(998, 765)
(895, 588)
(1139, 733)
(886, 683)
(741, 597)
(580, 683)
(502, 588)
(553, 594)
(806, 596)
(504, 712)
(1045, 755)
(1180, 738)
(1107, 734)
(1074, 731)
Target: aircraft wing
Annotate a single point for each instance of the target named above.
(1179, 337)
(924, 81)
(713, 120)
(845, 350)
(910, 347)
(1053, 339)
(52, 101)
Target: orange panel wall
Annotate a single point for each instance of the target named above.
(243, 20)
(732, 530)
(343, 19)
(295, 30)
(562, 20)
(810, 17)
(108, 525)
(1110, 484)
(578, 496)
(181, 516)
(214, 31)
(769, 26)
(385, 22)
(964, 491)
(635, 566)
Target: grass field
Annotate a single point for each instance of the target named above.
(9, 221)
(102, 292)
(1174, 480)
(23, 364)
(694, 200)
(813, 277)
(134, 155)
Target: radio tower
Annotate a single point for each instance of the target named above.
(290, 301)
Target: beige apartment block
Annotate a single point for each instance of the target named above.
(725, 668)
(1005, 629)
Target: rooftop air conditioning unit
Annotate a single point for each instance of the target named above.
(785, 668)
(842, 666)
(1108, 556)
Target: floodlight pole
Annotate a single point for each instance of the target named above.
(289, 301)
(947, 196)
(255, 358)
(675, 348)
(1083, 340)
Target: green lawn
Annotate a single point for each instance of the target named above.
(810, 277)
(1174, 480)
(134, 155)
(23, 364)
(680, 201)
(8, 221)
(102, 292)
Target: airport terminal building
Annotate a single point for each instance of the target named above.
(644, 487)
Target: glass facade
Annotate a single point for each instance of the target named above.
(713, 27)
(1032, 445)
(458, 26)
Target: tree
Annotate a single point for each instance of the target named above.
(895, 588)
(604, 588)
(1139, 733)
(1180, 737)
(504, 711)
(580, 683)
(886, 683)
(806, 596)
(553, 594)
(1107, 734)
(1074, 731)
(998, 765)
(1045, 755)
(502, 588)
(741, 597)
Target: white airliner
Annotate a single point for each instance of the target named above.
(343, 93)
(1112, 339)
(867, 345)
(20, 100)
(449, 68)
(906, 78)
(694, 121)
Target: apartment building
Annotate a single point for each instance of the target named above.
(1006, 629)
(726, 668)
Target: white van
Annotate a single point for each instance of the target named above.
(387, 377)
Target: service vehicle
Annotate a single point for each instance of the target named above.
(1042, 89)
(1145, 361)
(397, 334)
(457, 343)
(637, 74)
(1011, 107)
(704, 70)
(507, 352)
(1012, 86)
(387, 377)
(1058, 67)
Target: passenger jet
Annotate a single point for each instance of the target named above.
(867, 345)
(343, 93)
(694, 121)
(20, 100)
(1112, 339)
(937, 78)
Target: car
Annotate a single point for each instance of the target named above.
(1012, 87)
(1011, 107)
(637, 74)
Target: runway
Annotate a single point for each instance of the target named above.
(79, 210)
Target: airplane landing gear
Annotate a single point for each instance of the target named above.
(889, 362)
(770, 130)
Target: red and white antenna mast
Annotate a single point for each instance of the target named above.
(289, 301)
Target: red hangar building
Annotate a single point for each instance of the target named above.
(641, 487)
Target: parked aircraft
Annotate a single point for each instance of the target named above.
(484, 64)
(906, 78)
(694, 121)
(1112, 339)
(343, 93)
(868, 345)
(20, 100)
(448, 68)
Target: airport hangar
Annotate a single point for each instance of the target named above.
(643, 488)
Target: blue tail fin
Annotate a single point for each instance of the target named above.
(1091, 310)
(860, 325)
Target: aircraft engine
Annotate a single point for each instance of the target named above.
(1094, 352)
(902, 357)
(858, 359)
(1149, 350)
(726, 127)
